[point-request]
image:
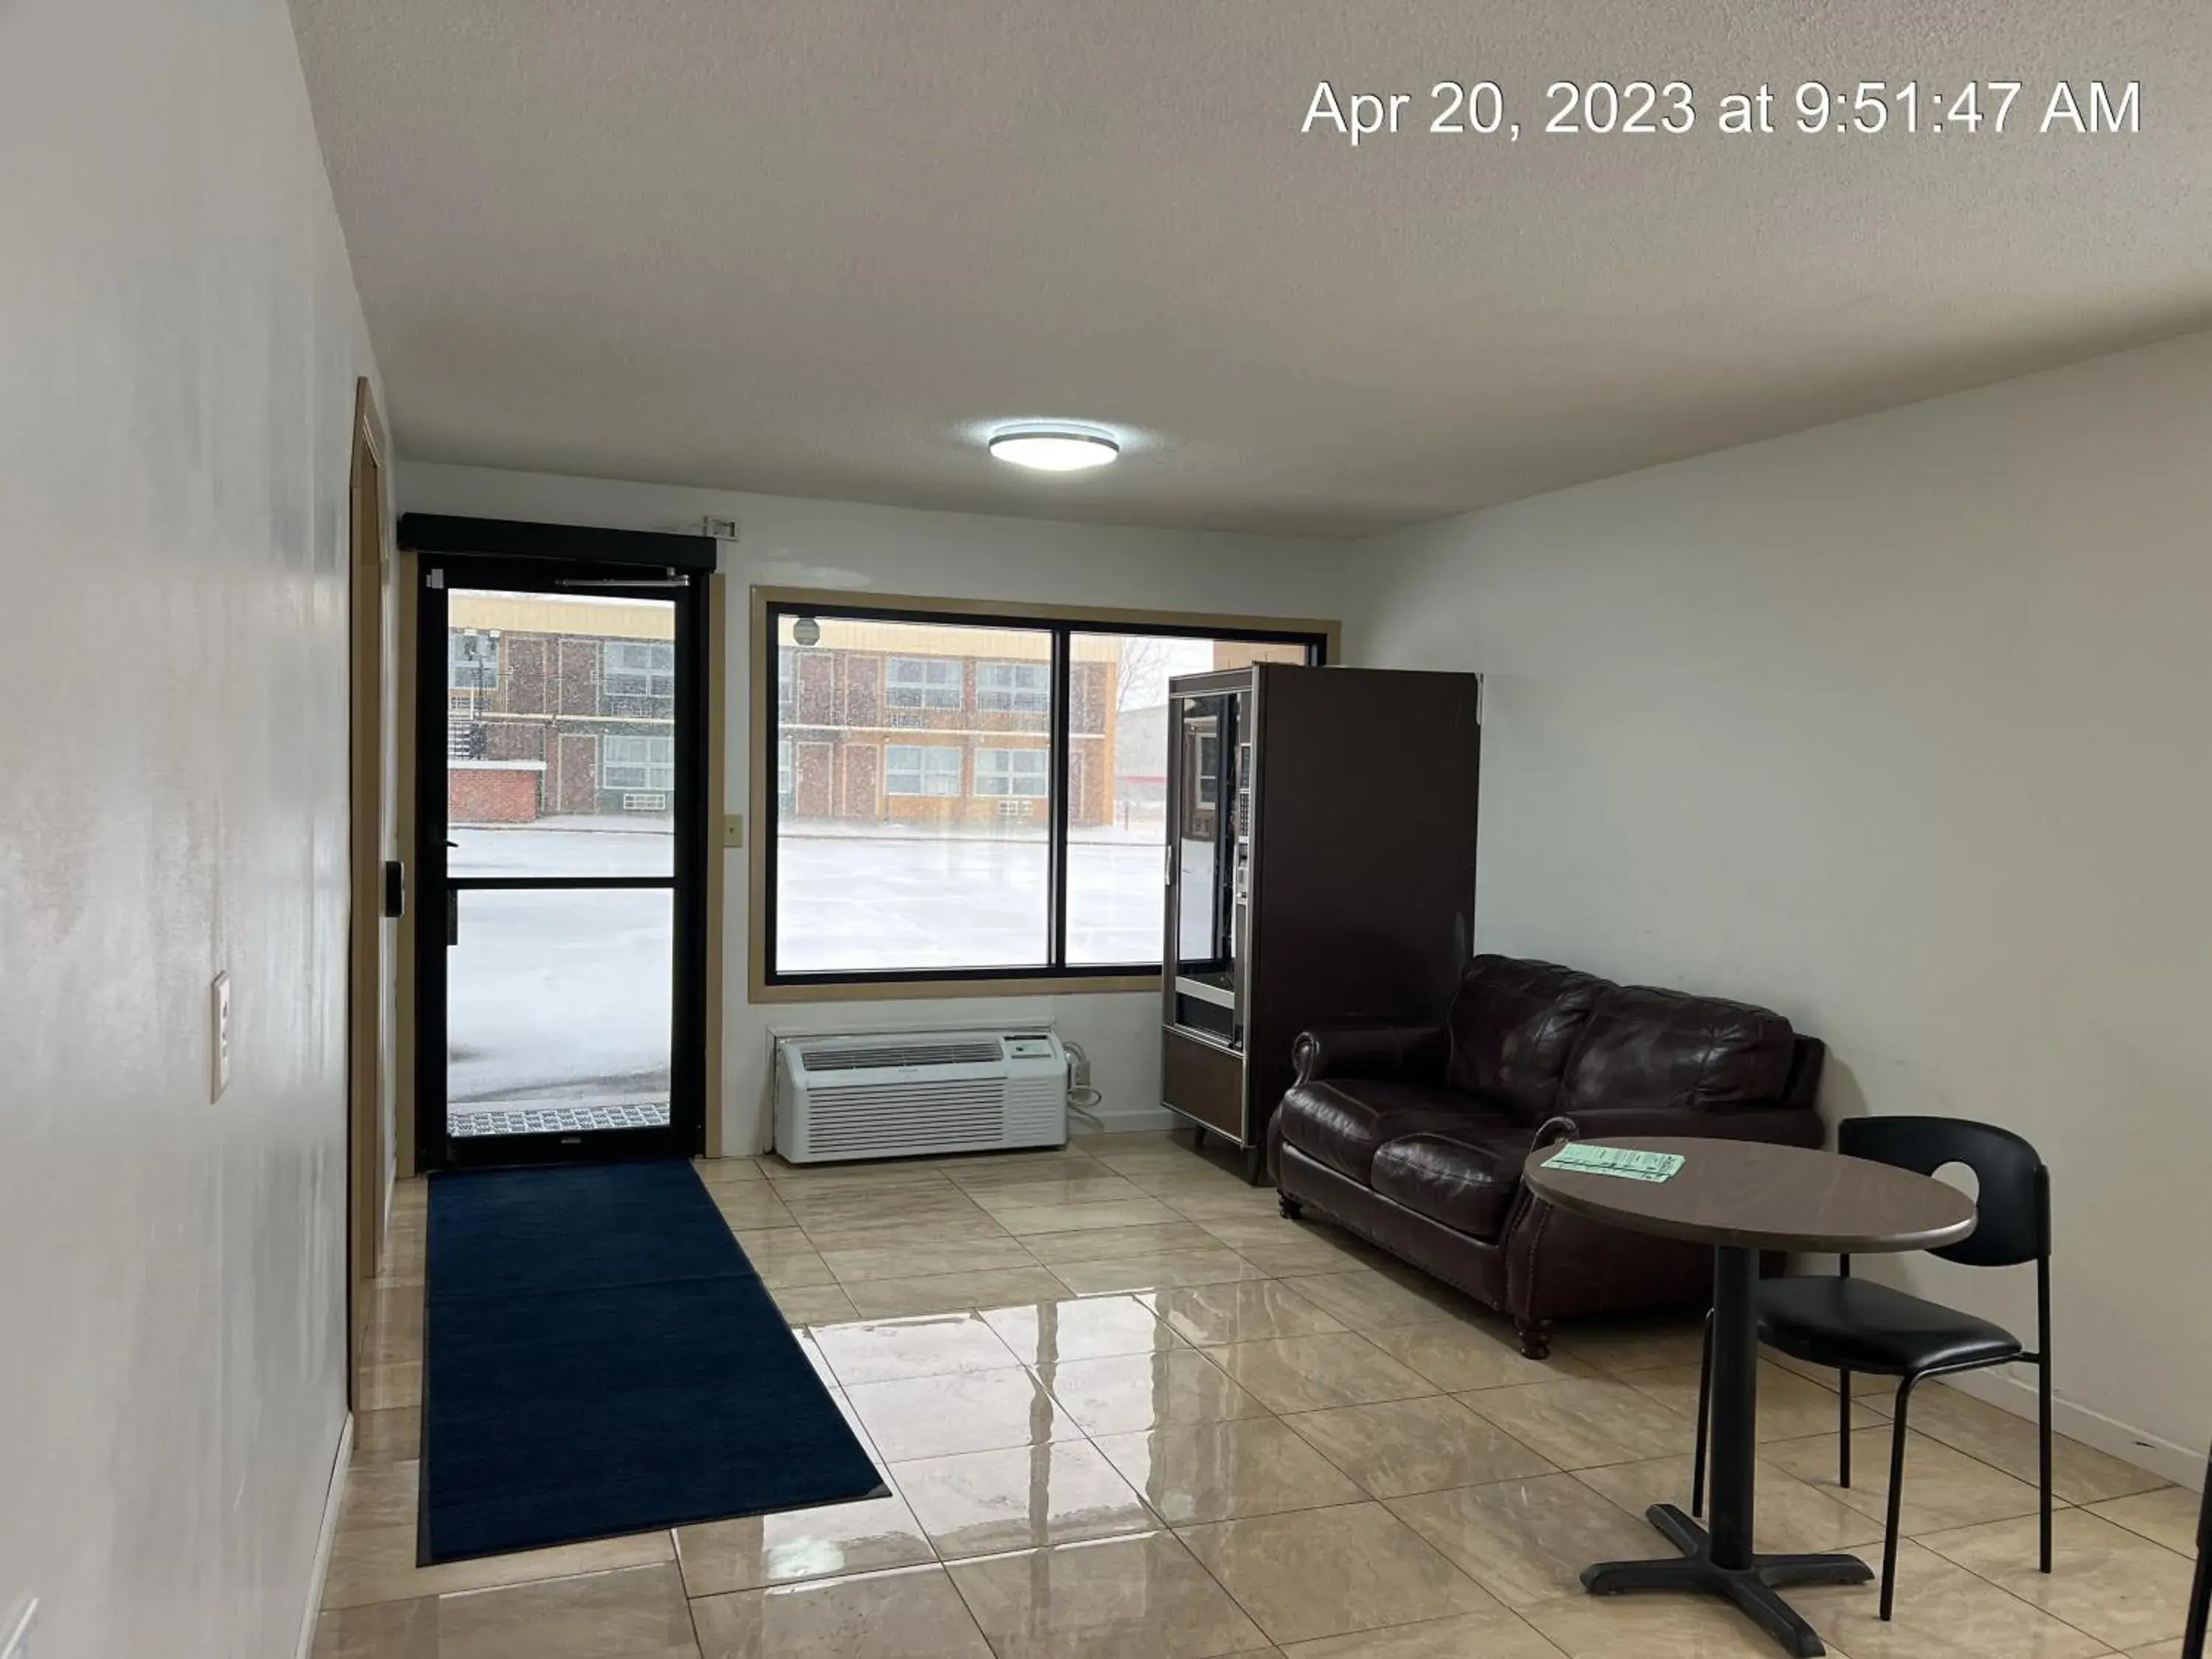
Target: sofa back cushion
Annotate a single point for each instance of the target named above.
(1645, 1047)
(1513, 1025)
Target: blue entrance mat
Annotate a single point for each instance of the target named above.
(599, 1357)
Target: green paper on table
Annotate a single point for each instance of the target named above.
(1626, 1162)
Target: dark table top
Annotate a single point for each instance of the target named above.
(1766, 1198)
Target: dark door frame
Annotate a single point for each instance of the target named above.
(685, 1135)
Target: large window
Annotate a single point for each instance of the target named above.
(973, 797)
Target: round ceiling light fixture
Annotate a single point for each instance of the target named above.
(1054, 448)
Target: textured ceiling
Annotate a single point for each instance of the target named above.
(805, 247)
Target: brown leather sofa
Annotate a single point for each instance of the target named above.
(1413, 1136)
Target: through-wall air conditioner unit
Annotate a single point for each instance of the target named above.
(905, 1094)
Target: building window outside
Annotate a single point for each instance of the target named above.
(914, 769)
(923, 683)
(637, 763)
(638, 669)
(786, 772)
(787, 682)
(472, 659)
(1014, 687)
(1011, 772)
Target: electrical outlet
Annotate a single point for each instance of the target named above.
(18, 1639)
(219, 1022)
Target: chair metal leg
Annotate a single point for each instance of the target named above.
(2042, 1431)
(2043, 1355)
(1844, 1430)
(1704, 1421)
(2200, 1587)
(1896, 1499)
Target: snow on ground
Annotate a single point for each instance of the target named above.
(844, 904)
(563, 996)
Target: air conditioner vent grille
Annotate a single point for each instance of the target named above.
(841, 1057)
(899, 1093)
(913, 1116)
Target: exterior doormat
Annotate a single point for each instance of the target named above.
(599, 1357)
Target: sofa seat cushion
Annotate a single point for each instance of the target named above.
(1646, 1048)
(1342, 1122)
(1465, 1178)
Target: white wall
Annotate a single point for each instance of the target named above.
(1900, 727)
(783, 542)
(181, 337)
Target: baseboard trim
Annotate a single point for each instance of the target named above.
(1128, 1120)
(2182, 1465)
(326, 1540)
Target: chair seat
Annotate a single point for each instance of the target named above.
(1855, 1324)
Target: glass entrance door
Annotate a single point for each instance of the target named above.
(559, 931)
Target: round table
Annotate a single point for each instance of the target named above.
(1742, 1197)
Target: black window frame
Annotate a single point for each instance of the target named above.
(1062, 629)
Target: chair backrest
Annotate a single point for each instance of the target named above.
(2014, 1204)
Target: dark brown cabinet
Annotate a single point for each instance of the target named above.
(1321, 863)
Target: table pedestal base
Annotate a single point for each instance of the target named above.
(1750, 1588)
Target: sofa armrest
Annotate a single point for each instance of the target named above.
(1369, 1049)
(1781, 1126)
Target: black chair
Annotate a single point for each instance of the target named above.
(2200, 1586)
(1855, 1325)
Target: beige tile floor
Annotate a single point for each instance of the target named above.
(1129, 1412)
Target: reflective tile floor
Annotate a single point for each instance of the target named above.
(1129, 1412)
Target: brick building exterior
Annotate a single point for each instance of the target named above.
(558, 706)
(565, 706)
(909, 723)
